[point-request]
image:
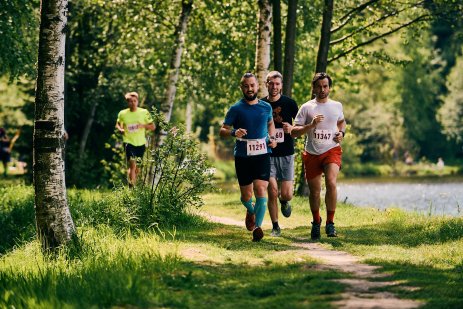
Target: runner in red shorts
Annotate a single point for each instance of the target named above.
(322, 120)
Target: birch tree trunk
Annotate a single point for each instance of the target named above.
(290, 48)
(263, 45)
(180, 31)
(325, 35)
(277, 48)
(54, 222)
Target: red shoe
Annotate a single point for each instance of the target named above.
(250, 221)
(257, 234)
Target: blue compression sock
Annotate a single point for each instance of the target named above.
(248, 205)
(261, 207)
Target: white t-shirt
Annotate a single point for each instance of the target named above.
(320, 139)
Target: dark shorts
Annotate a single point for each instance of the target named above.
(315, 164)
(132, 152)
(249, 169)
(4, 156)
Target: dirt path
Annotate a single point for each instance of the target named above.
(360, 291)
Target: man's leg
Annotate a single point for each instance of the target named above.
(260, 191)
(287, 188)
(331, 196)
(314, 201)
(273, 203)
(132, 171)
(286, 184)
(246, 197)
(315, 187)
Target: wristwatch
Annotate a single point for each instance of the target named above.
(343, 133)
(233, 132)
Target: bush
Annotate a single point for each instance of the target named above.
(173, 176)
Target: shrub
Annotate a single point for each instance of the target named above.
(173, 176)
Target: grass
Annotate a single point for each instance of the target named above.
(198, 264)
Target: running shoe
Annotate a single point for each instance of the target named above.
(315, 232)
(276, 232)
(330, 230)
(250, 221)
(257, 234)
(286, 209)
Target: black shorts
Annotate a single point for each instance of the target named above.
(132, 151)
(4, 156)
(249, 169)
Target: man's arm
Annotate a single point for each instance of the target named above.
(150, 126)
(300, 129)
(272, 132)
(226, 131)
(341, 128)
(342, 125)
(119, 126)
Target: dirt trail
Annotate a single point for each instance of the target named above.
(360, 293)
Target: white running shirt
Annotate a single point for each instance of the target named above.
(320, 139)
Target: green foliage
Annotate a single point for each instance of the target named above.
(173, 175)
(19, 24)
(451, 112)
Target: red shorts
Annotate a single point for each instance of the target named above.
(314, 164)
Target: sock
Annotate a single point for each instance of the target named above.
(261, 207)
(248, 205)
(316, 216)
(329, 216)
(275, 225)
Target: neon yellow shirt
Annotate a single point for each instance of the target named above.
(133, 134)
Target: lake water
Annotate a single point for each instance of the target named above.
(438, 196)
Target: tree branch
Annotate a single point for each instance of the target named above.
(418, 19)
(349, 15)
(384, 17)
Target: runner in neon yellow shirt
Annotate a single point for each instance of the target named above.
(133, 122)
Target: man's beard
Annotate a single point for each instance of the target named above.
(250, 98)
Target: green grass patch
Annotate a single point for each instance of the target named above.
(196, 264)
(423, 252)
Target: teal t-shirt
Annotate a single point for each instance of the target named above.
(254, 118)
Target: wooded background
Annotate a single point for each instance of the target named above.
(396, 67)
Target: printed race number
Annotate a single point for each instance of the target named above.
(323, 136)
(280, 135)
(256, 147)
(132, 127)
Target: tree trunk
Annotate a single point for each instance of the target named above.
(180, 31)
(324, 45)
(87, 130)
(277, 48)
(263, 45)
(322, 63)
(290, 47)
(54, 222)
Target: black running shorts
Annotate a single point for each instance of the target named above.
(251, 168)
(133, 152)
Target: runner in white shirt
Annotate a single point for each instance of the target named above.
(322, 120)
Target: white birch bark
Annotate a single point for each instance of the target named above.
(54, 222)
(263, 44)
(180, 31)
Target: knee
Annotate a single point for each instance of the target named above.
(246, 196)
(315, 192)
(272, 191)
(287, 195)
(331, 184)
